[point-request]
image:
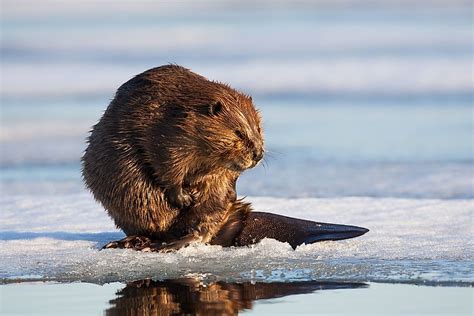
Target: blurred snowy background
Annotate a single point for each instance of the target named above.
(358, 98)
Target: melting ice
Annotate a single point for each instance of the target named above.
(410, 241)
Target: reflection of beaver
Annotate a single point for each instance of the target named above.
(165, 157)
(190, 296)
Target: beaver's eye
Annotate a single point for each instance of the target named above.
(239, 134)
(215, 108)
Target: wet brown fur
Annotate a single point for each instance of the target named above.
(165, 156)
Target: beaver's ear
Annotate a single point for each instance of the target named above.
(215, 108)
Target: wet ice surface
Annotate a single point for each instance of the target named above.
(414, 241)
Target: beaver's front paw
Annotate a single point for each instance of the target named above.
(178, 197)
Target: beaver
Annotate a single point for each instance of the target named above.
(165, 157)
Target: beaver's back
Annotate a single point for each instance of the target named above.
(115, 166)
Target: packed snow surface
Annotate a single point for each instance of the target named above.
(415, 241)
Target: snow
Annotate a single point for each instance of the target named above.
(381, 76)
(423, 240)
(358, 50)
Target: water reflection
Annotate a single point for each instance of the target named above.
(191, 297)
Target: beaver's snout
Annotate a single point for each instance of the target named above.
(257, 154)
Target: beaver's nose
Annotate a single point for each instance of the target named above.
(257, 154)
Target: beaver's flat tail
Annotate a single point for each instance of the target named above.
(259, 225)
(245, 228)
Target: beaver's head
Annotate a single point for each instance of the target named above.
(228, 131)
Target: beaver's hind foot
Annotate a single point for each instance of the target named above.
(140, 243)
(145, 244)
(175, 245)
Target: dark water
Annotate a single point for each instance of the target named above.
(189, 296)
